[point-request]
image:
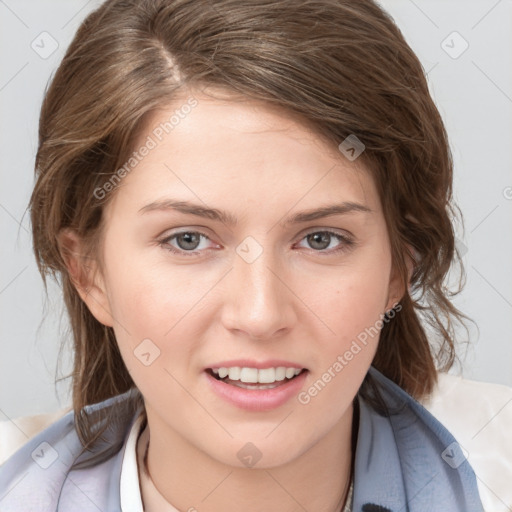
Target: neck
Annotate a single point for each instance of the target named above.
(190, 479)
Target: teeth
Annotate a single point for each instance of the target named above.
(280, 373)
(234, 373)
(253, 375)
(222, 372)
(290, 372)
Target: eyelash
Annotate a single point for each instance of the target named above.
(347, 243)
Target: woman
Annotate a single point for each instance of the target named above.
(249, 206)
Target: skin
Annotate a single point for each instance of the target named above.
(297, 301)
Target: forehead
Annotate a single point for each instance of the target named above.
(224, 148)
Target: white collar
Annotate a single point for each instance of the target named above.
(135, 483)
(130, 491)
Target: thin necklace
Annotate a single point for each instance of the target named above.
(344, 496)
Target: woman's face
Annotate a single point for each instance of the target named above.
(214, 257)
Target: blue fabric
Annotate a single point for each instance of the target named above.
(399, 464)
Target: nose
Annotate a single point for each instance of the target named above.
(258, 301)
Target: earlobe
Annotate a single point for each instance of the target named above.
(85, 275)
(397, 288)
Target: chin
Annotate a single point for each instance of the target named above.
(260, 453)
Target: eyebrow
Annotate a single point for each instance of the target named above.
(190, 208)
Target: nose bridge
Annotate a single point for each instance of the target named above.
(258, 302)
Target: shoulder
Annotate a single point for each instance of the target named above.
(479, 416)
(399, 454)
(46, 458)
(14, 433)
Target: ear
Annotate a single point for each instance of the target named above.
(85, 275)
(397, 288)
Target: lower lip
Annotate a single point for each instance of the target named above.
(257, 399)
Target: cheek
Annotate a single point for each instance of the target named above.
(361, 300)
(352, 309)
(156, 309)
(150, 334)
(150, 306)
(144, 295)
(350, 299)
(144, 304)
(351, 305)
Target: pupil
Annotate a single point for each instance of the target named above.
(187, 237)
(322, 238)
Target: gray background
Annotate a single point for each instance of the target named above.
(473, 90)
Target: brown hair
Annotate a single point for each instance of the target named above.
(342, 66)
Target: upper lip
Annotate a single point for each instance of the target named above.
(247, 363)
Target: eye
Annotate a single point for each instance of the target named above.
(321, 240)
(187, 242)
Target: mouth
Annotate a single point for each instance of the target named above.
(256, 389)
(253, 378)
